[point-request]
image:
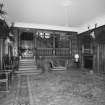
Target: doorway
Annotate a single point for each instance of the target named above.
(88, 62)
(26, 45)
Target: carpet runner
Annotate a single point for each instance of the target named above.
(22, 95)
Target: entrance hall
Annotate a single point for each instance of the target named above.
(50, 54)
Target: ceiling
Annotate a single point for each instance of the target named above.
(54, 12)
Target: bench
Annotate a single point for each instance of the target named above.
(59, 64)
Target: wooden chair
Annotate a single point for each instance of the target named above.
(6, 73)
(4, 78)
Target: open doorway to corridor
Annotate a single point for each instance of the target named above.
(26, 45)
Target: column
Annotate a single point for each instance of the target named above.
(1, 53)
(34, 47)
(19, 42)
(69, 54)
(82, 57)
(70, 47)
(53, 44)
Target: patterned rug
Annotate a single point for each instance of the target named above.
(18, 93)
(66, 88)
(56, 88)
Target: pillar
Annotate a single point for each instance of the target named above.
(34, 44)
(53, 44)
(1, 54)
(19, 42)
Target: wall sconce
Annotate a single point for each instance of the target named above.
(41, 34)
(47, 35)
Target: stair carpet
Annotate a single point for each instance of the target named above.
(27, 67)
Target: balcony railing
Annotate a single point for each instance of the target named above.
(53, 52)
(44, 51)
(62, 51)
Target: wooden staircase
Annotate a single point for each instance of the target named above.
(27, 67)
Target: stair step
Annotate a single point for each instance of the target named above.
(27, 63)
(27, 69)
(27, 59)
(28, 73)
(20, 68)
(27, 66)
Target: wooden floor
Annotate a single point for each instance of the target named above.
(71, 87)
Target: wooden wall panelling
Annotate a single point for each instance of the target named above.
(100, 54)
(54, 35)
(0, 53)
(100, 58)
(98, 46)
(103, 70)
(104, 59)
